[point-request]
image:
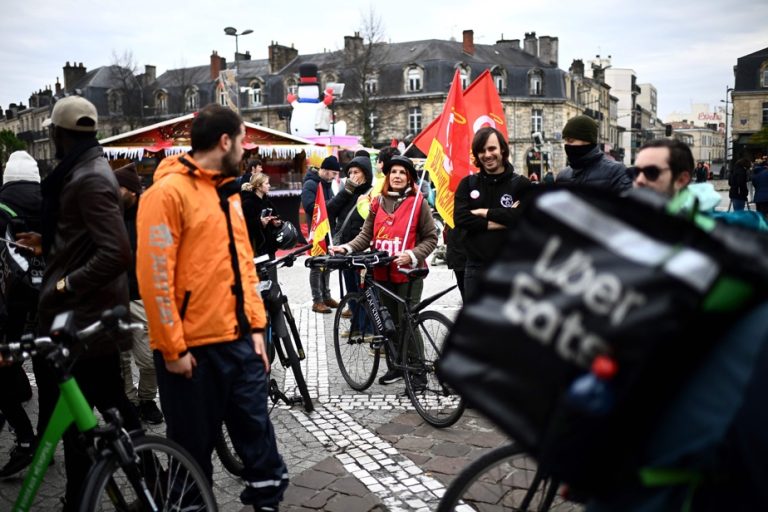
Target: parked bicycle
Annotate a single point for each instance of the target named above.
(359, 340)
(505, 478)
(280, 336)
(131, 471)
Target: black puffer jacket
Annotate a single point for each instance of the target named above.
(343, 202)
(309, 193)
(597, 170)
(89, 246)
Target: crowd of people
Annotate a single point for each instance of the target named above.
(180, 255)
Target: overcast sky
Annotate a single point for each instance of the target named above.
(686, 48)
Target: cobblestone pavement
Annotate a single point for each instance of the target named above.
(357, 451)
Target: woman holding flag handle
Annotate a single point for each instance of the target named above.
(400, 222)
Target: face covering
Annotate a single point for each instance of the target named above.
(575, 153)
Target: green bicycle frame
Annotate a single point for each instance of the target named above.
(72, 407)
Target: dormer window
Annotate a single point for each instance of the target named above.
(372, 85)
(191, 101)
(222, 95)
(291, 86)
(499, 79)
(764, 75)
(255, 94)
(464, 75)
(161, 102)
(115, 102)
(535, 83)
(414, 79)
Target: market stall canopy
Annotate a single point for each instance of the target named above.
(172, 137)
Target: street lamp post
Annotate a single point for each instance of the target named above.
(728, 90)
(232, 31)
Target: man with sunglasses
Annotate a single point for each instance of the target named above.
(663, 165)
(587, 164)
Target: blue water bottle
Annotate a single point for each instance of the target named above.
(592, 392)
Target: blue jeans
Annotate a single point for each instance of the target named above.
(738, 204)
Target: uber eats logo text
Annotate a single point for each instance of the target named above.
(575, 275)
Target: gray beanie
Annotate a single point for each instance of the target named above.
(21, 167)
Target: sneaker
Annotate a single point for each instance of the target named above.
(418, 383)
(319, 307)
(149, 412)
(331, 303)
(347, 313)
(21, 457)
(391, 376)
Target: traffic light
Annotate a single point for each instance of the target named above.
(668, 130)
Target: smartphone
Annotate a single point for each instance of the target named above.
(266, 212)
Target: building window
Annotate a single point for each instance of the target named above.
(415, 79)
(223, 95)
(291, 86)
(464, 76)
(161, 102)
(371, 85)
(414, 120)
(765, 114)
(537, 120)
(328, 78)
(115, 101)
(254, 94)
(191, 102)
(499, 80)
(764, 75)
(535, 83)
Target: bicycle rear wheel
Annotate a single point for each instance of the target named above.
(434, 400)
(356, 342)
(226, 452)
(503, 479)
(172, 478)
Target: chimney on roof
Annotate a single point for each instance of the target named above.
(72, 74)
(531, 44)
(577, 68)
(511, 43)
(469, 42)
(218, 64)
(58, 87)
(548, 49)
(150, 74)
(280, 56)
(243, 56)
(353, 47)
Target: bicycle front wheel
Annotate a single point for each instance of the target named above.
(295, 364)
(356, 342)
(434, 400)
(503, 479)
(168, 474)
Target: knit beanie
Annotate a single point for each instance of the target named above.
(581, 128)
(21, 167)
(331, 163)
(128, 177)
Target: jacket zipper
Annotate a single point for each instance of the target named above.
(185, 303)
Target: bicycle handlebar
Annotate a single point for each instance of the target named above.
(28, 346)
(362, 259)
(285, 261)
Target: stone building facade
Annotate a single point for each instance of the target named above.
(750, 104)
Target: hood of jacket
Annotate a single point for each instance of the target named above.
(186, 164)
(364, 163)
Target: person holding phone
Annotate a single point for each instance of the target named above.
(259, 214)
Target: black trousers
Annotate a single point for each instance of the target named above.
(101, 382)
(229, 384)
(14, 391)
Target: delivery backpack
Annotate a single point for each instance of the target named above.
(590, 320)
(19, 269)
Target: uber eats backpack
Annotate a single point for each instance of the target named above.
(19, 269)
(590, 320)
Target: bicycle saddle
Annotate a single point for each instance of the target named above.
(414, 273)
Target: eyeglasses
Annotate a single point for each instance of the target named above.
(651, 172)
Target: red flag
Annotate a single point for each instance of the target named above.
(320, 227)
(484, 108)
(448, 156)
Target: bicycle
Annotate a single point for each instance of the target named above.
(130, 471)
(281, 327)
(505, 478)
(359, 340)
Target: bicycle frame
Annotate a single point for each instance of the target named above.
(71, 407)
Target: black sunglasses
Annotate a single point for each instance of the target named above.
(651, 172)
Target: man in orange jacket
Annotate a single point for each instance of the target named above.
(206, 318)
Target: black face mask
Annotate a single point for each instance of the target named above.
(576, 153)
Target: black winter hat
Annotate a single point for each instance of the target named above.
(581, 128)
(331, 163)
(405, 162)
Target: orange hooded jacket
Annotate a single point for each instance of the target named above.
(184, 260)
